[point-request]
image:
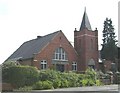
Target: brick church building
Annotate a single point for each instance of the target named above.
(54, 50)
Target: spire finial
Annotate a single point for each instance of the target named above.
(85, 9)
(85, 22)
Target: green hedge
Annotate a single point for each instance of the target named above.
(20, 76)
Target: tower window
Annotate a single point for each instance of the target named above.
(80, 42)
(91, 44)
(96, 42)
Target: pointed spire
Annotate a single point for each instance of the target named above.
(85, 22)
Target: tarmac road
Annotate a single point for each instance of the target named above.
(91, 89)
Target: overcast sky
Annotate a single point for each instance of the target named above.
(23, 20)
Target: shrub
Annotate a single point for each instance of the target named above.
(38, 85)
(64, 83)
(91, 82)
(57, 83)
(84, 82)
(43, 85)
(72, 79)
(88, 82)
(23, 89)
(47, 84)
(98, 83)
(48, 75)
(80, 78)
(90, 73)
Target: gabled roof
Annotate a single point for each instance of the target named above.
(85, 22)
(29, 48)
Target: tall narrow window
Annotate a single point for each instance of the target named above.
(80, 44)
(43, 64)
(91, 44)
(74, 66)
(96, 43)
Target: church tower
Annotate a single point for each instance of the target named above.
(86, 44)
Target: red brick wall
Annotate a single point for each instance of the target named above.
(84, 47)
(47, 52)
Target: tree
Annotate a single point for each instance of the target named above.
(109, 47)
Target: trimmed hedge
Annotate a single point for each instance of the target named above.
(20, 76)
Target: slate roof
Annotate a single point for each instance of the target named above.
(85, 22)
(27, 49)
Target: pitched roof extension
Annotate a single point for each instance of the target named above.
(85, 22)
(27, 49)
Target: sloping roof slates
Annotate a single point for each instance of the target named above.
(27, 49)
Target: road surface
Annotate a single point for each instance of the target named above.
(91, 89)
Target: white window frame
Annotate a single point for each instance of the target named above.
(60, 54)
(74, 66)
(42, 64)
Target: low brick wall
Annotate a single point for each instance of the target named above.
(6, 87)
(106, 81)
(119, 79)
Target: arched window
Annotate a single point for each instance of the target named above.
(60, 54)
(43, 64)
(74, 66)
(91, 63)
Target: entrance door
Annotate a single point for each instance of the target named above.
(60, 67)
